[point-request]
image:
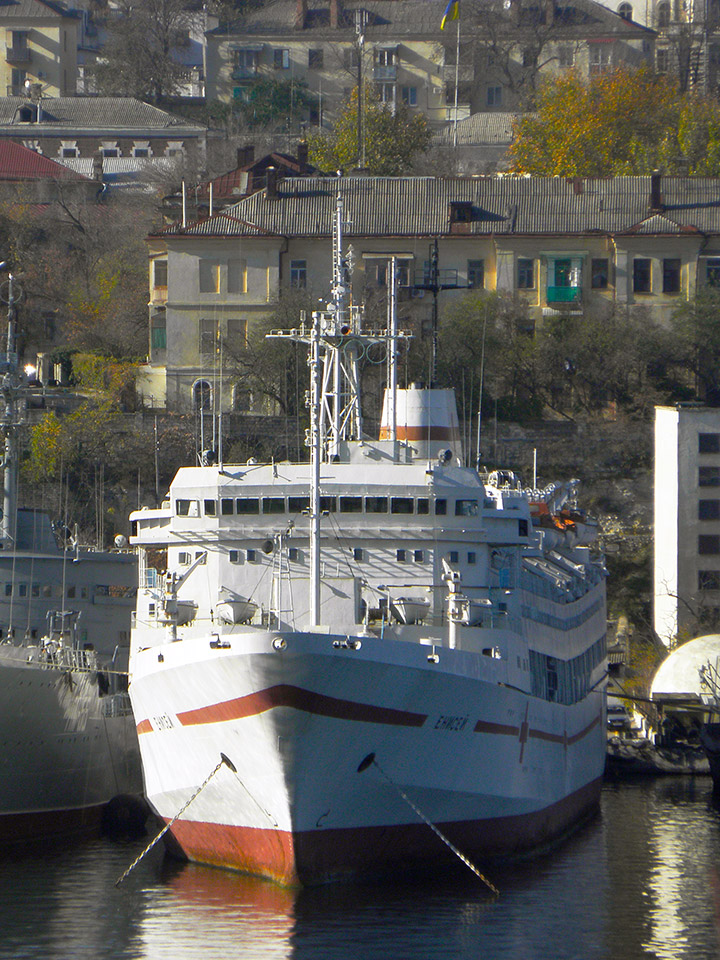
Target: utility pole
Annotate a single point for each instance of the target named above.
(360, 22)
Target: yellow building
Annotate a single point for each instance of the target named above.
(38, 45)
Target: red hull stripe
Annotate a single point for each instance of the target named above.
(285, 695)
(144, 727)
(483, 726)
(420, 433)
(314, 856)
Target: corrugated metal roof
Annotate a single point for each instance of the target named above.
(412, 18)
(420, 206)
(20, 163)
(25, 9)
(481, 129)
(92, 113)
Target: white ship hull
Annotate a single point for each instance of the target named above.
(67, 749)
(497, 770)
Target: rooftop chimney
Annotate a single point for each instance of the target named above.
(302, 157)
(97, 166)
(334, 14)
(655, 191)
(271, 184)
(300, 14)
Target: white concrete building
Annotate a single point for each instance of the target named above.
(687, 521)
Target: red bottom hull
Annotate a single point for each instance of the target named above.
(310, 857)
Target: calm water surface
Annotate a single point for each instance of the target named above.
(641, 880)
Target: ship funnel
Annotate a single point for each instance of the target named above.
(426, 420)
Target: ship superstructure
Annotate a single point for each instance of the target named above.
(380, 625)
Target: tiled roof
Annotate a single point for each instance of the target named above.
(481, 129)
(236, 181)
(94, 113)
(420, 206)
(19, 163)
(393, 19)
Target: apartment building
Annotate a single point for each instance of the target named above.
(38, 46)
(493, 56)
(557, 246)
(687, 521)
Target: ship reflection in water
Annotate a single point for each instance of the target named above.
(642, 880)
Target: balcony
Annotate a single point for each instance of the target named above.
(244, 73)
(384, 74)
(20, 53)
(564, 294)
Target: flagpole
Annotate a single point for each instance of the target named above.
(457, 77)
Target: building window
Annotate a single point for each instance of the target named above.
(662, 61)
(69, 148)
(566, 57)
(209, 276)
(401, 555)
(600, 58)
(174, 148)
(158, 333)
(246, 62)
(709, 443)
(671, 276)
(709, 476)
(281, 59)
(712, 271)
(709, 510)
(625, 11)
(708, 579)
(600, 272)
(110, 149)
(351, 59)
(525, 274)
(409, 96)
(642, 273)
(237, 276)
(494, 96)
(358, 554)
(419, 556)
(237, 332)
(207, 339)
(298, 274)
(315, 59)
(476, 273)
(708, 543)
(160, 273)
(202, 395)
(663, 14)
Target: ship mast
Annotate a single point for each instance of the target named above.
(336, 343)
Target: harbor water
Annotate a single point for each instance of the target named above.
(641, 880)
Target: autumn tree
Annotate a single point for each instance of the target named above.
(391, 138)
(617, 124)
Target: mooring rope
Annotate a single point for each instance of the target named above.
(370, 759)
(224, 761)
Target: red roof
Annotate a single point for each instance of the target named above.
(20, 163)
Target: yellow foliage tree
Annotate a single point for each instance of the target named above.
(625, 122)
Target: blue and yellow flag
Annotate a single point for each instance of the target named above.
(452, 12)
